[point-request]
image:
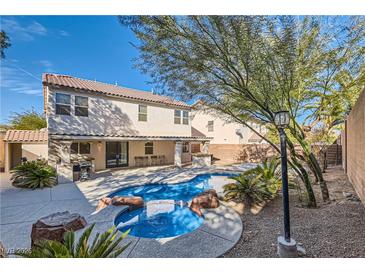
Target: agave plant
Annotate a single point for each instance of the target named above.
(34, 174)
(268, 174)
(105, 245)
(248, 188)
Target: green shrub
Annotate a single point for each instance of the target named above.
(248, 189)
(256, 185)
(34, 174)
(105, 245)
(269, 175)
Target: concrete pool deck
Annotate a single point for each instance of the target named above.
(20, 208)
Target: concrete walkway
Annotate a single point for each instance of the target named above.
(20, 208)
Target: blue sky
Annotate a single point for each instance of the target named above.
(91, 47)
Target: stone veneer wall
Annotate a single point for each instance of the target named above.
(354, 147)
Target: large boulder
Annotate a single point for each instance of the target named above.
(206, 199)
(131, 201)
(53, 227)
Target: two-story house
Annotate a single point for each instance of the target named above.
(229, 138)
(113, 126)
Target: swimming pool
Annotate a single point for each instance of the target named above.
(166, 212)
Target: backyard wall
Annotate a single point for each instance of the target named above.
(353, 139)
(35, 151)
(2, 151)
(235, 153)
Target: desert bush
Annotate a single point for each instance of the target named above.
(256, 185)
(106, 245)
(34, 174)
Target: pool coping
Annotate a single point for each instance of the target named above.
(204, 242)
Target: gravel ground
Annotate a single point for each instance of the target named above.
(331, 230)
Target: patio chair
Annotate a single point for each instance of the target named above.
(161, 159)
(154, 160)
(145, 161)
(139, 161)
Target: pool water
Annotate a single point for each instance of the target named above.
(166, 212)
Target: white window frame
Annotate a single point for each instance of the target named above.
(147, 145)
(142, 113)
(185, 120)
(210, 126)
(78, 148)
(62, 104)
(177, 117)
(80, 106)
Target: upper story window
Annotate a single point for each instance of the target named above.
(177, 116)
(80, 148)
(148, 148)
(63, 104)
(210, 126)
(185, 148)
(185, 117)
(142, 113)
(181, 117)
(81, 106)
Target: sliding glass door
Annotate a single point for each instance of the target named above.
(116, 154)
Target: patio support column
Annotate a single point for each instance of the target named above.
(178, 154)
(59, 156)
(205, 147)
(7, 154)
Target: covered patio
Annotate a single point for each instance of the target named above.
(24, 144)
(113, 151)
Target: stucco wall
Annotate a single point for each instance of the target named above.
(224, 132)
(237, 153)
(34, 151)
(355, 146)
(16, 154)
(108, 115)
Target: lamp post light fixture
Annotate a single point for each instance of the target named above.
(287, 247)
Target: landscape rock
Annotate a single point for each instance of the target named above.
(130, 201)
(53, 227)
(207, 199)
(2, 251)
(103, 203)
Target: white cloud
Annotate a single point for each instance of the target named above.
(16, 80)
(46, 64)
(63, 33)
(22, 31)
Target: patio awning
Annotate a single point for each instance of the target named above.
(96, 137)
(26, 136)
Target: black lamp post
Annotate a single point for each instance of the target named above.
(286, 245)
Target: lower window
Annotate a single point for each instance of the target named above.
(80, 148)
(148, 148)
(185, 147)
(195, 148)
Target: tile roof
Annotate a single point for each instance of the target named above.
(58, 80)
(255, 138)
(196, 133)
(130, 137)
(32, 136)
